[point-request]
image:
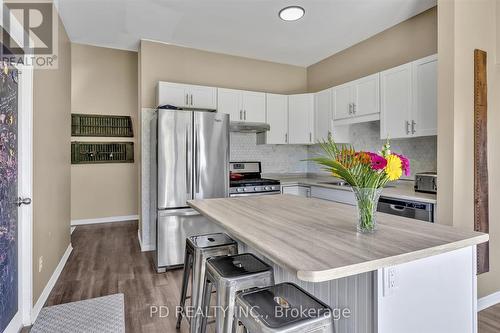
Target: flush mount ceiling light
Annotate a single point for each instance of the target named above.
(291, 13)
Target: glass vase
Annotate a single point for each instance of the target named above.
(367, 202)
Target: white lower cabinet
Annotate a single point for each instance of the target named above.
(299, 190)
(330, 194)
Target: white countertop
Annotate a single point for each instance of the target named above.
(402, 189)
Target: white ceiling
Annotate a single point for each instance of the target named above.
(249, 28)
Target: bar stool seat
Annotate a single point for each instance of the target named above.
(198, 249)
(230, 275)
(282, 308)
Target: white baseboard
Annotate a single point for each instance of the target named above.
(110, 219)
(15, 325)
(487, 301)
(52, 281)
(144, 247)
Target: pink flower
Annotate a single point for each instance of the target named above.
(377, 161)
(405, 164)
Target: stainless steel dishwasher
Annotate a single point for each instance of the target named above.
(406, 208)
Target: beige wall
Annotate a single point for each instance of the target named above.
(51, 164)
(405, 42)
(464, 26)
(164, 62)
(104, 81)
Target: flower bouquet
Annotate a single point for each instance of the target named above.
(366, 172)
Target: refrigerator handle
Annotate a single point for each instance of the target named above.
(196, 160)
(188, 169)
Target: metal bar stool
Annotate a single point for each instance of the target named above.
(283, 308)
(198, 250)
(229, 275)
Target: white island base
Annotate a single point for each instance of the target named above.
(431, 295)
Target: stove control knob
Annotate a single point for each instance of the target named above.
(247, 189)
(239, 189)
(268, 188)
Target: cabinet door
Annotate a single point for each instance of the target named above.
(277, 118)
(254, 106)
(229, 101)
(424, 113)
(298, 190)
(366, 97)
(202, 97)
(300, 118)
(396, 102)
(172, 94)
(322, 114)
(343, 101)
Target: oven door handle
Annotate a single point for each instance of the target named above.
(254, 193)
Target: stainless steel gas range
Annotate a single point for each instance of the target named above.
(246, 180)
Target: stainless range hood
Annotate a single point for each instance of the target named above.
(246, 127)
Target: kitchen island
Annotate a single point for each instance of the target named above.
(408, 276)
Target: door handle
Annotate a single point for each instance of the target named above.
(407, 127)
(244, 114)
(241, 114)
(354, 108)
(191, 99)
(413, 125)
(286, 137)
(23, 201)
(187, 101)
(350, 108)
(310, 137)
(188, 173)
(196, 161)
(398, 208)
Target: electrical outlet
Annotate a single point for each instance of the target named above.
(40, 264)
(390, 280)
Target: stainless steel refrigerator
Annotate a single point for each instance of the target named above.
(190, 160)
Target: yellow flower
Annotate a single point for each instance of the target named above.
(394, 167)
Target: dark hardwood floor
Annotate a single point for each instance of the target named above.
(106, 259)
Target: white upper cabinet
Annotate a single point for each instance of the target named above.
(229, 101)
(424, 120)
(186, 95)
(396, 101)
(300, 118)
(358, 101)
(242, 105)
(366, 96)
(323, 114)
(409, 100)
(254, 106)
(343, 101)
(277, 118)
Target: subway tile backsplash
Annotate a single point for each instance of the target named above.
(421, 151)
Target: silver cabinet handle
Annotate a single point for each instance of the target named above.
(350, 108)
(354, 108)
(407, 127)
(310, 137)
(187, 99)
(23, 201)
(241, 114)
(286, 137)
(413, 125)
(244, 114)
(191, 99)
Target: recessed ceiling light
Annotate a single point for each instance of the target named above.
(291, 13)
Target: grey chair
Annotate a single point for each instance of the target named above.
(230, 275)
(198, 250)
(283, 308)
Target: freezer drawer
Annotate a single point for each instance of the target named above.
(172, 228)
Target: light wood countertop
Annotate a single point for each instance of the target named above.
(317, 239)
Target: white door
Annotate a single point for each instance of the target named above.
(254, 106)
(366, 96)
(396, 102)
(343, 101)
(424, 119)
(202, 97)
(15, 192)
(300, 118)
(168, 93)
(323, 114)
(277, 118)
(229, 101)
